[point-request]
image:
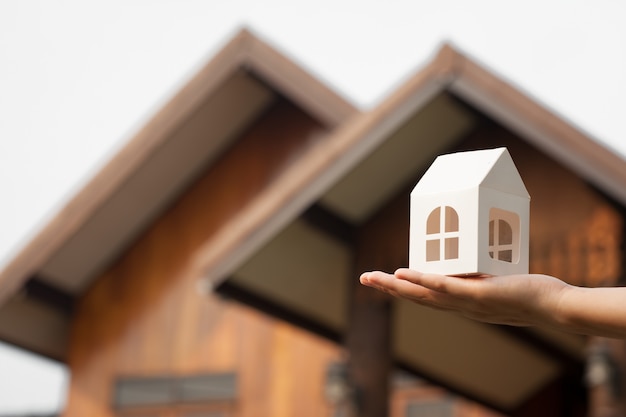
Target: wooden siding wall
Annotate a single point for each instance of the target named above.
(146, 317)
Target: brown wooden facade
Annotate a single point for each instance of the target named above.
(144, 277)
(147, 317)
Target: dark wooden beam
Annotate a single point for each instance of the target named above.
(368, 342)
(331, 223)
(50, 295)
(381, 244)
(230, 290)
(370, 358)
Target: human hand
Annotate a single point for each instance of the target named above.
(518, 300)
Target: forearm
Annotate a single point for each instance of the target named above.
(593, 311)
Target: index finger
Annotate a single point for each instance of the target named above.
(440, 283)
(391, 284)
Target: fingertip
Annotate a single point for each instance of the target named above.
(403, 273)
(364, 278)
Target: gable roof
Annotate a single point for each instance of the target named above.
(233, 90)
(491, 168)
(370, 161)
(230, 91)
(335, 175)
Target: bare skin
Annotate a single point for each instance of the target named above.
(518, 300)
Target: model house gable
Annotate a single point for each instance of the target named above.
(469, 215)
(503, 175)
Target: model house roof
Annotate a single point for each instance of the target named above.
(490, 168)
(292, 247)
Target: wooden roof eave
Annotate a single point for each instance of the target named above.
(301, 87)
(245, 51)
(539, 126)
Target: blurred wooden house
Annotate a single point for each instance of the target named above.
(258, 189)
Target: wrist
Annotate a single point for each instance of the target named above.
(564, 311)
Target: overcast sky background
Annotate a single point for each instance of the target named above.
(78, 78)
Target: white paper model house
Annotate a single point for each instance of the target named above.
(470, 215)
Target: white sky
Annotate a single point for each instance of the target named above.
(77, 78)
(29, 383)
